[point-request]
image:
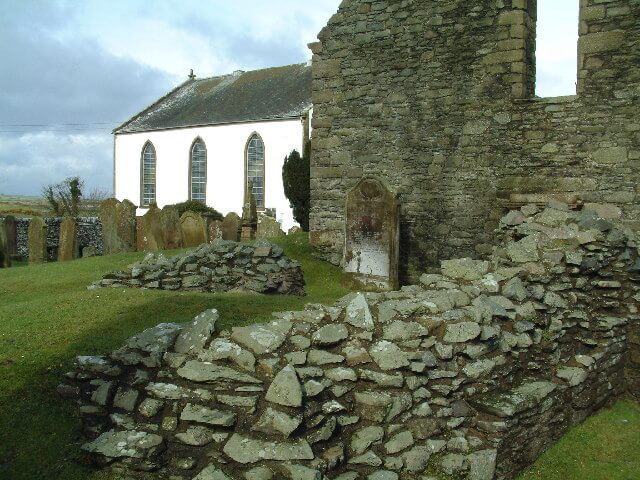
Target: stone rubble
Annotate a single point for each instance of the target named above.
(220, 266)
(471, 374)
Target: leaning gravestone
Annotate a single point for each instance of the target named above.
(215, 230)
(372, 237)
(268, 227)
(118, 221)
(37, 239)
(11, 230)
(5, 256)
(149, 236)
(231, 227)
(68, 244)
(194, 230)
(171, 230)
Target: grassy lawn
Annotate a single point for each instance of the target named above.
(47, 317)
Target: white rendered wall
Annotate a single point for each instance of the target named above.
(225, 164)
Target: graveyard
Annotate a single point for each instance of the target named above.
(65, 319)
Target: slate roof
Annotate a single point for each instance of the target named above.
(272, 93)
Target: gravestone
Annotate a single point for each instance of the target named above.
(268, 227)
(5, 256)
(149, 231)
(37, 240)
(231, 227)
(118, 221)
(11, 230)
(194, 231)
(171, 230)
(372, 237)
(215, 230)
(89, 251)
(249, 215)
(68, 244)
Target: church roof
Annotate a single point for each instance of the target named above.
(268, 94)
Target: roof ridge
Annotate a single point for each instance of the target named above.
(232, 74)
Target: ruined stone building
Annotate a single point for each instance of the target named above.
(436, 100)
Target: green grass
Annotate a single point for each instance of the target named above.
(47, 317)
(605, 447)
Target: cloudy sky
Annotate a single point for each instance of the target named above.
(72, 70)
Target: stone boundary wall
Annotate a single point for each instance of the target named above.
(88, 233)
(219, 266)
(471, 374)
(435, 98)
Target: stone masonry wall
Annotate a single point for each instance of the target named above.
(471, 374)
(436, 99)
(220, 266)
(88, 232)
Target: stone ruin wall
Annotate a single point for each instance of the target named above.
(220, 266)
(436, 98)
(471, 374)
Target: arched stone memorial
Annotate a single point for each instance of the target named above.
(371, 252)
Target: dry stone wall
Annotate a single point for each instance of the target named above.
(436, 99)
(471, 374)
(220, 266)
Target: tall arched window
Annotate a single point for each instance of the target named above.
(255, 168)
(198, 172)
(148, 180)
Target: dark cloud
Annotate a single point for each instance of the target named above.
(51, 81)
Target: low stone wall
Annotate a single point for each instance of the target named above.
(88, 233)
(220, 266)
(471, 374)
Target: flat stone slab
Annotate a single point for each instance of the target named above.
(209, 372)
(262, 338)
(201, 414)
(249, 450)
(129, 444)
(508, 404)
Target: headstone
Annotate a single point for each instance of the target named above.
(149, 231)
(215, 230)
(89, 251)
(249, 215)
(268, 227)
(37, 240)
(11, 230)
(118, 221)
(372, 237)
(5, 256)
(231, 227)
(171, 230)
(68, 244)
(126, 212)
(194, 232)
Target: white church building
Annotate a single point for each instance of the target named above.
(206, 139)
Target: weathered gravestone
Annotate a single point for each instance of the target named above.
(249, 215)
(37, 240)
(89, 251)
(268, 227)
(149, 236)
(171, 230)
(5, 256)
(118, 221)
(372, 237)
(194, 230)
(231, 227)
(68, 244)
(11, 230)
(215, 230)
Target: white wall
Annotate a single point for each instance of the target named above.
(225, 164)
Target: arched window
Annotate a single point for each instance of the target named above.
(198, 172)
(255, 168)
(148, 180)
